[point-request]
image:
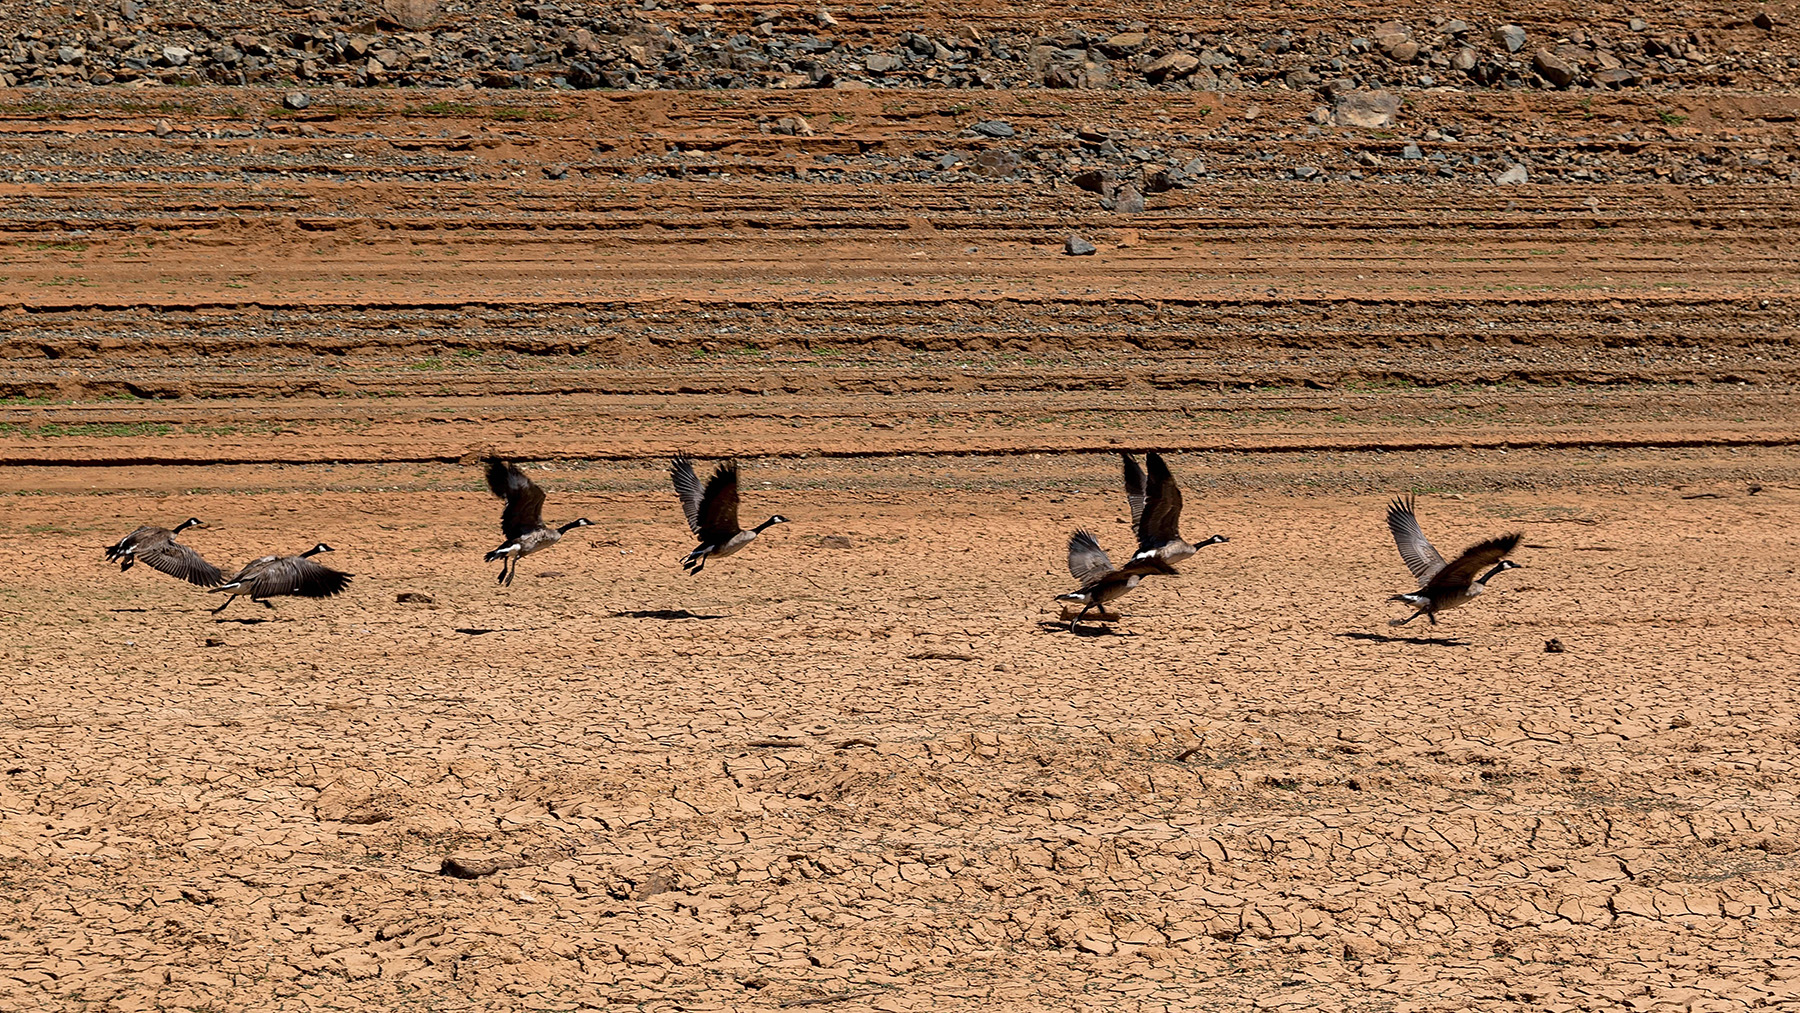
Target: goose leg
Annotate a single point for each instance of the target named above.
(511, 572)
(1079, 616)
(221, 608)
(265, 603)
(1431, 616)
(1403, 622)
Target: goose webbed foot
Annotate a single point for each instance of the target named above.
(221, 608)
(265, 603)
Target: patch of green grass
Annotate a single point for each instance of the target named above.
(67, 247)
(1672, 119)
(431, 363)
(51, 430)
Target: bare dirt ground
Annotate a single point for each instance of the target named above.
(877, 776)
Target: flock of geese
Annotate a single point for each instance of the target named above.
(712, 515)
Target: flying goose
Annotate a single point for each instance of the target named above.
(712, 512)
(522, 522)
(157, 548)
(1156, 511)
(1443, 585)
(1100, 583)
(269, 576)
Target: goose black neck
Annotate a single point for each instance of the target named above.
(1483, 579)
(315, 550)
(566, 528)
(764, 526)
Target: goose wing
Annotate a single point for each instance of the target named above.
(719, 505)
(1088, 562)
(524, 500)
(1134, 494)
(1462, 570)
(688, 490)
(297, 576)
(183, 563)
(137, 538)
(1162, 505)
(1421, 558)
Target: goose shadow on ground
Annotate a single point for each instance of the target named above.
(243, 622)
(664, 614)
(1083, 630)
(1382, 638)
(127, 610)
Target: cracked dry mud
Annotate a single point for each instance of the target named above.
(877, 771)
(877, 776)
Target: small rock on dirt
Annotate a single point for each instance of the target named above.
(1368, 109)
(467, 865)
(297, 101)
(1075, 246)
(1555, 69)
(1512, 176)
(1553, 646)
(163, 129)
(557, 171)
(834, 542)
(1129, 201)
(994, 128)
(1763, 21)
(1510, 36)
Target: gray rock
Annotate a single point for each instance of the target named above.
(1637, 24)
(163, 129)
(1305, 172)
(1464, 60)
(1427, 81)
(1129, 201)
(296, 101)
(1410, 153)
(558, 171)
(1075, 246)
(177, 55)
(1510, 36)
(1368, 109)
(1617, 77)
(129, 10)
(881, 63)
(1320, 115)
(1456, 28)
(1512, 177)
(994, 128)
(949, 160)
(997, 163)
(67, 54)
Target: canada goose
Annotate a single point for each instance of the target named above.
(522, 522)
(269, 576)
(1156, 511)
(1100, 583)
(158, 548)
(1443, 585)
(712, 512)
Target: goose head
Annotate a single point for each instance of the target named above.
(191, 522)
(579, 522)
(315, 550)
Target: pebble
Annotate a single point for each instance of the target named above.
(1411, 152)
(1368, 109)
(1555, 69)
(163, 129)
(1129, 201)
(296, 101)
(1075, 246)
(994, 128)
(1512, 176)
(1510, 36)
